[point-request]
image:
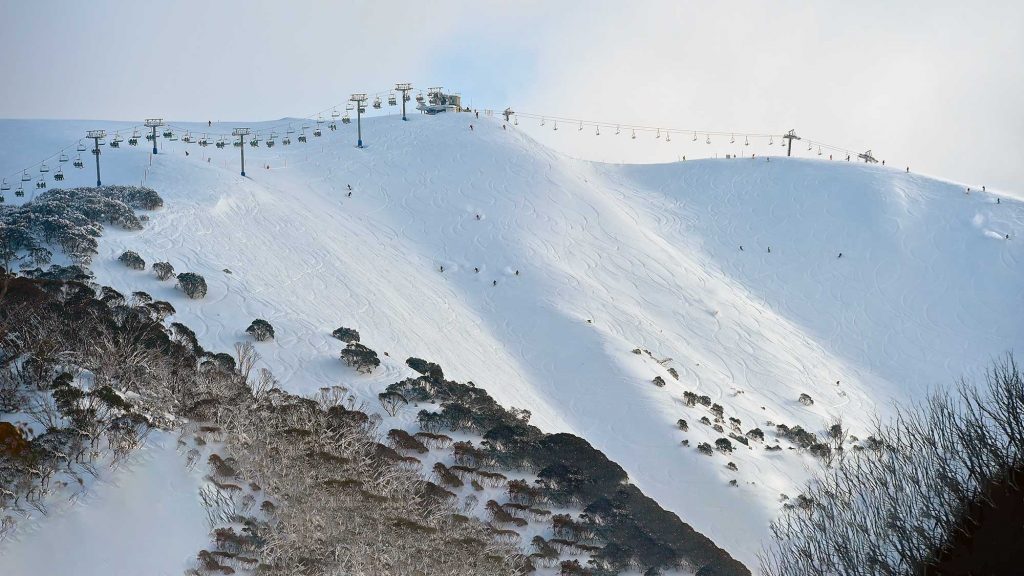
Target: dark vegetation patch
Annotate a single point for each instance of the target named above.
(635, 531)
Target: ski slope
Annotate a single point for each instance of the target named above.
(609, 258)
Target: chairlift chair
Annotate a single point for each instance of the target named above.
(515, 121)
(419, 98)
(317, 132)
(694, 136)
(80, 147)
(668, 136)
(114, 143)
(597, 132)
(345, 119)
(78, 162)
(708, 139)
(581, 127)
(556, 124)
(41, 183)
(58, 175)
(634, 134)
(617, 130)
(376, 102)
(392, 101)
(732, 139)
(333, 126)
(302, 137)
(335, 113)
(20, 192)
(819, 150)
(746, 141)
(63, 157)
(43, 168)
(25, 177)
(5, 186)
(349, 107)
(406, 97)
(658, 133)
(168, 133)
(770, 141)
(220, 143)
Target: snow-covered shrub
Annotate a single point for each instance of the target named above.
(755, 434)
(659, 381)
(346, 335)
(192, 284)
(682, 425)
(806, 399)
(261, 330)
(428, 369)
(705, 448)
(724, 445)
(360, 357)
(132, 260)
(163, 270)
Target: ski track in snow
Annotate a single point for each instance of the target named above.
(923, 294)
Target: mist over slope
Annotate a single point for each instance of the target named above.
(555, 270)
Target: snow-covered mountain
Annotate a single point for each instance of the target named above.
(536, 276)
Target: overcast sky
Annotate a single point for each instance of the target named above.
(934, 85)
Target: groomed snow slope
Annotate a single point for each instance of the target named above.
(610, 258)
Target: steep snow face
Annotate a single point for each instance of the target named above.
(609, 259)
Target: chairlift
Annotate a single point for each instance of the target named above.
(80, 147)
(732, 139)
(556, 124)
(270, 141)
(542, 121)
(173, 137)
(78, 162)
(746, 141)
(634, 134)
(333, 126)
(58, 175)
(43, 168)
(63, 157)
(598, 132)
(149, 137)
(658, 133)
(335, 113)
(819, 150)
(770, 141)
(41, 183)
(20, 192)
(255, 142)
(694, 136)
(709, 139)
(376, 102)
(668, 136)
(220, 143)
(286, 141)
(406, 97)
(133, 141)
(392, 101)
(362, 109)
(237, 143)
(5, 186)
(515, 121)
(168, 133)
(204, 142)
(25, 177)
(809, 146)
(617, 130)
(419, 98)
(302, 137)
(317, 132)
(115, 144)
(345, 119)
(187, 138)
(581, 126)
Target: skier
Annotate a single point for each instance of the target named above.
(476, 269)
(982, 188)
(840, 255)
(186, 152)
(997, 200)
(741, 247)
(769, 249)
(470, 127)
(477, 216)
(477, 112)
(517, 272)
(908, 169)
(349, 186)
(495, 283)
(209, 123)
(349, 194)
(883, 162)
(503, 127)
(442, 267)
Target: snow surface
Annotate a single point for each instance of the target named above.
(610, 258)
(144, 518)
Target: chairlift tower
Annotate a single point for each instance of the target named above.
(241, 133)
(404, 89)
(791, 135)
(154, 123)
(359, 99)
(96, 136)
